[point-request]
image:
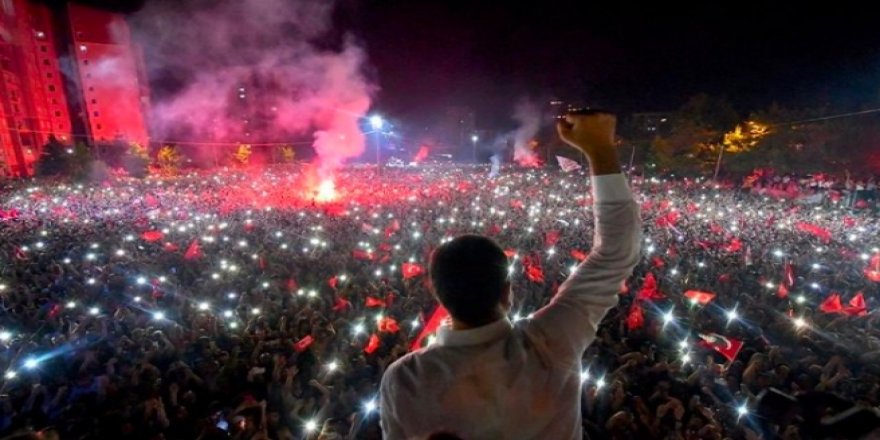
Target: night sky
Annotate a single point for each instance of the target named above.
(485, 54)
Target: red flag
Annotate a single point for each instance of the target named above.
(649, 289)
(578, 255)
(421, 154)
(551, 237)
(533, 269)
(849, 222)
(385, 247)
(151, 201)
(782, 291)
(372, 344)
(734, 246)
(727, 347)
(341, 304)
(635, 319)
(872, 272)
(715, 228)
(262, 262)
(170, 247)
(516, 204)
(375, 302)
(391, 229)
(493, 229)
(857, 306)
(818, 231)
(724, 278)
(291, 284)
(332, 282)
(658, 262)
(54, 311)
(303, 344)
(668, 220)
(20, 254)
(360, 254)
(152, 236)
(437, 318)
(789, 274)
(699, 297)
(411, 270)
(388, 325)
(510, 252)
(367, 228)
(831, 304)
(194, 251)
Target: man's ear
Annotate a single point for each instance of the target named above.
(507, 296)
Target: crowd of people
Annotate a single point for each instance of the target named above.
(234, 305)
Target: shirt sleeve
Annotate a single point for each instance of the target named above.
(569, 322)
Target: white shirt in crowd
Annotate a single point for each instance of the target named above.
(523, 380)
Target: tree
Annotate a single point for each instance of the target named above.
(242, 155)
(696, 132)
(287, 154)
(54, 159)
(169, 160)
(136, 160)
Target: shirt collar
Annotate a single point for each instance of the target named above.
(448, 337)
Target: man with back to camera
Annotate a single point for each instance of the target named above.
(486, 378)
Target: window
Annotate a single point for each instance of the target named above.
(44, 48)
(54, 101)
(15, 109)
(95, 113)
(46, 62)
(91, 89)
(94, 101)
(85, 62)
(57, 114)
(98, 126)
(49, 75)
(51, 88)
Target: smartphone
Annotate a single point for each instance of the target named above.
(222, 424)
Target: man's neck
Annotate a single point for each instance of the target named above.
(459, 325)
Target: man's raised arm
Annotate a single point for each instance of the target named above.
(570, 321)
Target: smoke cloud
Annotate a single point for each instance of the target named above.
(255, 71)
(528, 115)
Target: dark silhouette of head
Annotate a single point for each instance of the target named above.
(469, 276)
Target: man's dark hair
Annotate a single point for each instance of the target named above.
(469, 275)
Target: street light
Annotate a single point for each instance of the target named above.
(474, 140)
(377, 123)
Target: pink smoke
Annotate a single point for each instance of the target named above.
(528, 115)
(251, 72)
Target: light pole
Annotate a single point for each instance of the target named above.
(474, 139)
(718, 163)
(377, 123)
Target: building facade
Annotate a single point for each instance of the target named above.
(111, 93)
(33, 104)
(99, 95)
